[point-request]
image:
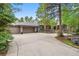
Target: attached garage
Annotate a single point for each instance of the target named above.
(28, 29)
(23, 27)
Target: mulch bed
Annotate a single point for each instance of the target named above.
(64, 38)
(61, 38)
(3, 53)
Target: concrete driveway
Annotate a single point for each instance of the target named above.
(39, 44)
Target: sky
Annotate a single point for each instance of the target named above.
(27, 9)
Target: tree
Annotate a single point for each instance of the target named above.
(52, 23)
(36, 20)
(60, 21)
(26, 18)
(21, 19)
(70, 16)
(6, 18)
(55, 11)
(30, 19)
(43, 15)
(6, 15)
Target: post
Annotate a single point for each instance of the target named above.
(21, 29)
(35, 29)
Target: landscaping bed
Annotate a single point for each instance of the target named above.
(68, 41)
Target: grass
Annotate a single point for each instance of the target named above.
(68, 42)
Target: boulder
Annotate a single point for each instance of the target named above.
(75, 40)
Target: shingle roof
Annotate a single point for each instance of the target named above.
(25, 24)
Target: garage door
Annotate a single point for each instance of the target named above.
(14, 29)
(28, 29)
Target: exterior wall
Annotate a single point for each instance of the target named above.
(14, 29)
(25, 29)
(28, 29)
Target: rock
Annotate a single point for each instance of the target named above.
(75, 40)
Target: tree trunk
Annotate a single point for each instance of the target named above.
(52, 29)
(60, 25)
(44, 28)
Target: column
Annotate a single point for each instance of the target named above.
(35, 29)
(21, 29)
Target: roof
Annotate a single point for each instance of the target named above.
(25, 24)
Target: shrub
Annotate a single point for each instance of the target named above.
(77, 31)
(5, 37)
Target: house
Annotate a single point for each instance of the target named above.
(24, 27)
(48, 29)
(28, 27)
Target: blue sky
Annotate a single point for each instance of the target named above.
(27, 9)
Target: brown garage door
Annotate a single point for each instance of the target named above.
(28, 29)
(14, 29)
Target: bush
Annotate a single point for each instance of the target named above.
(5, 37)
(77, 31)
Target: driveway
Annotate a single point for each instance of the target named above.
(39, 44)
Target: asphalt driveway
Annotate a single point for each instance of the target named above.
(39, 44)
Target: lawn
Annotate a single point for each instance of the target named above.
(70, 43)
